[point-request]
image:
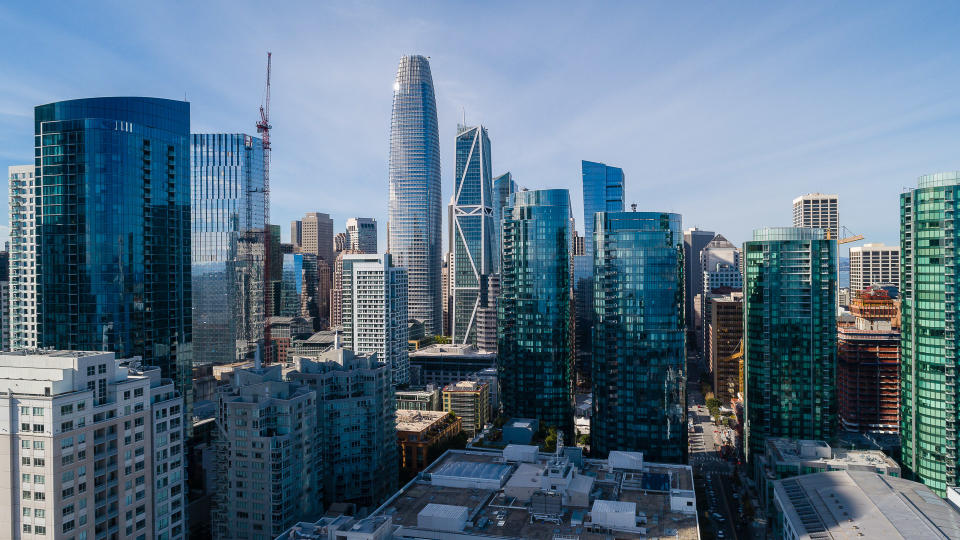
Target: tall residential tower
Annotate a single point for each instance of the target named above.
(414, 231)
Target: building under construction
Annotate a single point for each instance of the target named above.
(868, 384)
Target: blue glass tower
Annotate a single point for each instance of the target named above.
(639, 347)
(228, 252)
(503, 186)
(113, 230)
(415, 230)
(533, 314)
(474, 249)
(602, 192)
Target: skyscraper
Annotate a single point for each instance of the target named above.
(23, 256)
(503, 187)
(361, 235)
(639, 352)
(113, 230)
(316, 235)
(4, 300)
(790, 335)
(694, 240)
(227, 254)
(720, 262)
(602, 192)
(930, 335)
(474, 248)
(817, 211)
(374, 312)
(874, 264)
(414, 229)
(533, 315)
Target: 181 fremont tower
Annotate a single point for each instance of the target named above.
(415, 238)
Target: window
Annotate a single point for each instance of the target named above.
(91, 371)
(81, 405)
(26, 511)
(38, 411)
(39, 513)
(101, 369)
(25, 444)
(126, 394)
(26, 477)
(38, 428)
(26, 495)
(66, 426)
(27, 528)
(138, 392)
(24, 427)
(66, 409)
(25, 411)
(38, 445)
(38, 479)
(39, 530)
(39, 462)
(25, 461)
(39, 496)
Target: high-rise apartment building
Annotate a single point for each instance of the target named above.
(602, 192)
(361, 234)
(357, 424)
(720, 263)
(639, 348)
(930, 333)
(533, 313)
(694, 240)
(724, 345)
(374, 310)
(445, 296)
(817, 211)
(874, 264)
(868, 365)
(267, 455)
(4, 300)
(23, 257)
(336, 290)
(93, 445)
(487, 312)
(473, 241)
(414, 232)
(112, 273)
(227, 252)
(503, 186)
(790, 335)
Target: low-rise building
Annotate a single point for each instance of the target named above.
(419, 399)
(441, 365)
(317, 343)
(470, 400)
(420, 434)
(859, 504)
(283, 330)
(92, 443)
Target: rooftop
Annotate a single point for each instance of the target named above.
(465, 386)
(545, 496)
(858, 504)
(453, 350)
(808, 451)
(417, 421)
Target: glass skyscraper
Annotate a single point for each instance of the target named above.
(930, 335)
(414, 237)
(503, 186)
(474, 249)
(228, 208)
(639, 349)
(533, 314)
(790, 335)
(602, 192)
(113, 230)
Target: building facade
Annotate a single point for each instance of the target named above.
(361, 235)
(470, 401)
(227, 253)
(817, 211)
(23, 257)
(930, 335)
(357, 428)
(503, 186)
(602, 192)
(473, 241)
(725, 344)
(77, 468)
(790, 335)
(267, 455)
(374, 312)
(874, 264)
(720, 263)
(5, 300)
(414, 232)
(315, 235)
(639, 346)
(534, 357)
(868, 365)
(694, 240)
(113, 272)
(421, 433)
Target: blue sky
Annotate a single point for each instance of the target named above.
(723, 112)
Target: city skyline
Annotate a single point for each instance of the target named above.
(721, 116)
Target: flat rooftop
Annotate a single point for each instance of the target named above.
(809, 451)
(408, 420)
(452, 350)
(494, 514)
(859, 504)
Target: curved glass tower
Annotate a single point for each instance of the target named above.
(639, 360)
(473, 238)
(533, 314)
(113, 230)
(415, 230)
(930, 335)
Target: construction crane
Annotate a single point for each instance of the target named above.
(851, 237)
(263, 128)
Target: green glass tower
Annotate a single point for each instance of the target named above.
(929, 333)
(790, 335)
(533, 314)
(639, 360)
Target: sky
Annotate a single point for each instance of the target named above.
(720, 111)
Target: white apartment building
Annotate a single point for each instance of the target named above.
(819, 211)
(23, 265)
(374, 310)
(94, 448)
(874, 264)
